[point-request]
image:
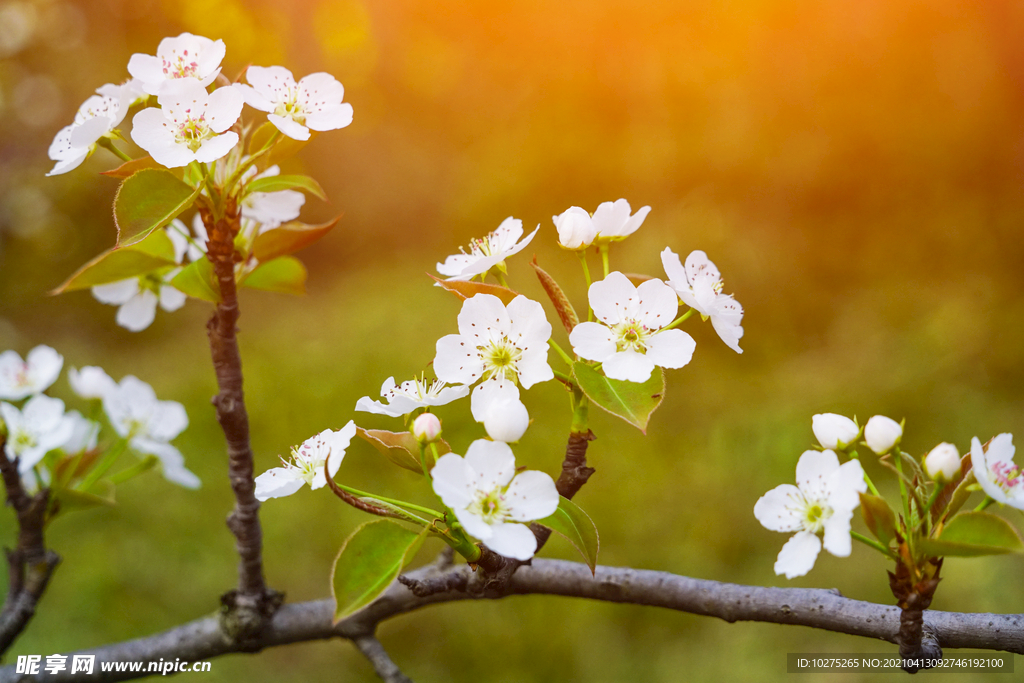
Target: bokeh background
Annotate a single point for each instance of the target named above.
(854, 169)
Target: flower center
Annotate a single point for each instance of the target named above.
(24, 440)
(815, 515)
(500, 358)
(1007, 475)
(490, 506)
(631, 336)
(21, 378)
(306, 463)
(192, 130)
(180, 66)
(291, 108)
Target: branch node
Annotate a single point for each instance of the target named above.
(243, 616)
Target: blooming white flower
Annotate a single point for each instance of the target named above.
(700, 286)
(149, 425)
(34, 375)
(410, 395)
(307, 466)
(487, 252)
(96, 118)
(270, 209)
(506, 420)
(631, 342)
(882, 433)
(314, 103)
(823, 501)
(35, 430)
(995, 470)
(491, 501)
(187, 57)
(426, 428)
(576, 229)
(613, 222)
(138, 297)
(84, 433)
(91, 382)
(132, 91)
(834, 431)
(943, 462)
(190, 125)
(496, 344)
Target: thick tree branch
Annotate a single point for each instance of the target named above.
(247, 608)
(30, 563)
(816, 608)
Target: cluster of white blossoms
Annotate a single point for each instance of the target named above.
(577, 229)
(41, 424)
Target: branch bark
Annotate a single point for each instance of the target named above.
(816, 608)
(378, 656)
(30, 564)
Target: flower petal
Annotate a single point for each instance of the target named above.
(628, 365)
(289, 127)
(671, 348)
(512, 540)
(613, 298)
(812, 473)
(451, 481)
(593, 341)
(137, 313)
(531, 495)
(781, 509)
(837, 533)
(798, 555)
(276, 483)
(492, 462)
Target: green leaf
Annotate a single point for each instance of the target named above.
(368, 562)
(148, 200)
(130, 168)
(276, 183)
(121, 263)
(572, 522)
(285, 274)
(101, 494)
(566, 313)
(198, 281)
(632, 401)
(972, 534)
(878, 517)
(401, 448)
(467, 290)
(289, 238)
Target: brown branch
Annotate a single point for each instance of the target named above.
(378, 656)
(30, 564)
(816, 608)
(247, 608)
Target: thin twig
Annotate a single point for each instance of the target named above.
(817, 608)
(378, 656)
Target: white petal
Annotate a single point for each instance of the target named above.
(613, 298)
(44, 365)
(117, 293)
(339, 441)
(331, 118)
(529, 324)
(592, 341)
(812, 473)
(451, 481)
(628, 365)
(492, 464)
(167, 420)
(610, 217)
(657, 304)
(671, 348)
(91, 382)
(457, 360)
(837, 533)
(274, 83)
(483, 316)
(726, 321)
(289, 127)
(830, 429)
(798, 555)
(215, 147)
(700, 267)
(473, 523)
(844, 485)
(224, 108)
(512, 540)
(674, 269)
(138, 312)
(489, 393)
(368, 405)
(88, 132)
(507, 421)
(533, 367)
(277, 482)
(531, 495)
(781, 509)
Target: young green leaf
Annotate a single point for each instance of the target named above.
(276, 183)
(878, 517)
(130, 168)
(121, 263)
(464, 289)
(633, 402)
(289, 238)
(401, 448)
(286, 275)
(566, 313)
(368, 562)
(100, 494)
(198, 281)
(571, 521)
(147, 200)
(972, 534)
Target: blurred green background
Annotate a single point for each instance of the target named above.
(854, 169)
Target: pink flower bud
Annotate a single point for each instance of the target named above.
(426, 428)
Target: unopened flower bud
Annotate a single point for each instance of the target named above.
(831, 430)
(576, 228)
(426, 428)
(507, 420)
(943, 462)
(882, 433)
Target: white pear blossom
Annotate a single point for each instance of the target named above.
(834, 431)
(149, 425)
(91, 382)
(34, 375)
(36, 429)
(491, 501)
(191, 244)
(882, 433)
(137, 298)
(496, 344)
(630, 340)
(995, 470)
(96, 118)
(314, 103)
(307, 465)
(487, 252)
(700, 286)
(190, 125)
(576, 229)
(270, 209)
(823, 500)
(613, 222)
(408, 396)
(187, 57)
(943, 462)
(426, 428)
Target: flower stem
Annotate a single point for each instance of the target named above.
(984, 504)
(871, 484)
(582, 253)
(564, 378)
(679, 320)
(603, 249)
(105, 463)
(904, 498)
(872, 544)
(107, 143)
(501, 279)
(135, 470)
(561, 352)
(390, 501)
